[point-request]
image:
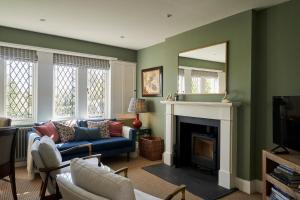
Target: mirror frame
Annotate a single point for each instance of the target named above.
(226, 68)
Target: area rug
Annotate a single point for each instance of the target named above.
(199, 183)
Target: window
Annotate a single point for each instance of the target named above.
(19, 67)
(97, 92)
(181, 81)
(206, 82)
(65, 79)
(19, 89)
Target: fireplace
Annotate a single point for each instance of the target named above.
(221, 117)
(197, 143)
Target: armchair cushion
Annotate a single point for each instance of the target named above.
(100, 181)
(49, 153)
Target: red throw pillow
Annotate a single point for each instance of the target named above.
(48, 129)
(115, 128)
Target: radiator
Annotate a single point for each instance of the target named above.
(21, 144)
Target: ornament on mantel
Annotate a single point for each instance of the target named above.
(225, 98)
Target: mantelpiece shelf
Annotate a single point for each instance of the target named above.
(270, 161)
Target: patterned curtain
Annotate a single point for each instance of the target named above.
(61, 59)
(18, 54)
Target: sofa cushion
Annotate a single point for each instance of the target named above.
(110, 143)
(66, 133)
(83, 133)
(102, 125)
(49, 130)
(49, 153)
(100, 181)
(115, 128)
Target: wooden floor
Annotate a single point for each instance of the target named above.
(28, 190)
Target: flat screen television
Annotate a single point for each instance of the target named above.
(286, 121)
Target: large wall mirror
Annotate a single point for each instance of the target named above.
(203, 70)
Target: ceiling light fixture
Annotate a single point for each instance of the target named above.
(169, 15)
(122, 36)
(42, 20)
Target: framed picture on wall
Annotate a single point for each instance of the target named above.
(152, 82)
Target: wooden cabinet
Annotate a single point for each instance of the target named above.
(270, 162)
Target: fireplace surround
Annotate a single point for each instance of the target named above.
(225, 113)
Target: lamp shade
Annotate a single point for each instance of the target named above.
(137, 106)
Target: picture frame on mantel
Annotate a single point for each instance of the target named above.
(152, 82)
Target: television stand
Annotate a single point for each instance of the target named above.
(283, 150)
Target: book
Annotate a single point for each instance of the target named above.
(287, 169)
(287, 175)
(284, 180)
(278, 194)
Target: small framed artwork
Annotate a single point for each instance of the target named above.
(152, 82)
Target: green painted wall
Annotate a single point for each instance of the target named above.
(238, 31)
(277, 69)
(191, 62)
(18, 36)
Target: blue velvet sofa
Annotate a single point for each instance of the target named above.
(106, 146)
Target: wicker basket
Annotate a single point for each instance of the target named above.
(151, 147)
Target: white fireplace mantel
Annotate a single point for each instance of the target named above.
(226, 113)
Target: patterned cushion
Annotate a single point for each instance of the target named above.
(66, 133)
(103, 127)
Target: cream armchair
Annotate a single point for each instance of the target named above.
(85, 182)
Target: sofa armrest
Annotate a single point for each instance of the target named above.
(129, 133)
(32, 136)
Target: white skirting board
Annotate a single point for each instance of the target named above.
(247, 186)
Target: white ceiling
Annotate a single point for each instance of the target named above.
(216, 53)
(142, 22)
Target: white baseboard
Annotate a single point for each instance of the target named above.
(247, 186)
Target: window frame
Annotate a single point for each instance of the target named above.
(34, 94)
(107, 95)
(54, 116)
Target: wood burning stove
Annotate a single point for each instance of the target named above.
(197, 143)
(204, 151)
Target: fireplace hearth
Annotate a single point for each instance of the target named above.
(197, 143)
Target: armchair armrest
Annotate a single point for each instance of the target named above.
(181, 189)
(123, 169)
(89, 146)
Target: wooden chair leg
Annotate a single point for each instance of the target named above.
(44, 187)
(12, 178)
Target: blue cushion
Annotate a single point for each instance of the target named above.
(110, 143)
(83, 133)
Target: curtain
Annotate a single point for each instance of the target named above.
(207, 74)
(18, 54)
(61, 59)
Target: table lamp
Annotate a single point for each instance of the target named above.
(137, 106)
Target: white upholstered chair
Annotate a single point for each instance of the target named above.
(48, 161)
(86, 182)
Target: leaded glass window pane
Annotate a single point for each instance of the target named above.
(19, 89)
(65, 78)
(97, 81)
